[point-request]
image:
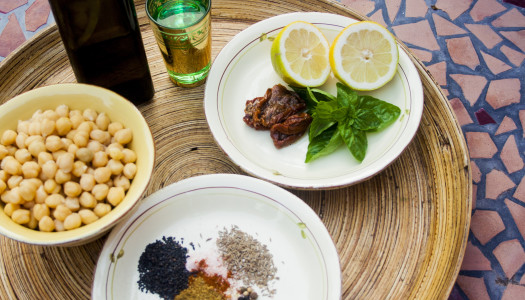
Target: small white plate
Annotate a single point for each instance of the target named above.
(243, 71)
(197, 208)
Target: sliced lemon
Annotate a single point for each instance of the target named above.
(364, 55)
(300, 55)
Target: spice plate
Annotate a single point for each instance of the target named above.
(195, 210)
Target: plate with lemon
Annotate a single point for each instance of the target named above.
(366, 92)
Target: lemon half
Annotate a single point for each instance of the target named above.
(364, 55)
(300, 55)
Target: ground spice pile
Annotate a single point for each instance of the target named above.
(248, 259)
(199, 288)
(162, 268)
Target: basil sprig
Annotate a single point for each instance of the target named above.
(344, 119)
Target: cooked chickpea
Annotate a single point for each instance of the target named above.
(95, 146)
(23, 127)
(72, 221)
(100, 159)
(87, 182)
(53, 200)
(8, 137)
(129, 156)
(33, 223)
(73, 148)
(12, 166)
(21, 216)
(87, 216)
(51, 115)
(87, 200)
(48, 127)
(114, 127)
(63, 125)
(72, 203)
(54, 143)
(72, 189)
(115, 153)
(84, 154)
(12, 196)
(41, 195)
(75, 112)
(57, 154)
(62, 177)
(71, 134)
(115, 166)
(3, 175)
(124, 136)
(51, 187)
(102, 209)
(102, 174)
(85, 126)
(81, 138)
(33, 138)
(65, 162)
(59, 225)
(27, 190)
(46, 224)
(21, 140)
(2, 186)
(30, 169)
(130, 170)
(14, 181)
(36, 147)
(35, 128)
(9, 208)
(100, 191)
(49, 169)
(44, 157)
(3, 151)
(23, 155)
(62, 110)
(90, 114)
(116, 195)
(61, 212)
(102, 121)
(100, 136)
(40, 211)
(76, 120)
(11, 150)
(79, 168)
(28, 205)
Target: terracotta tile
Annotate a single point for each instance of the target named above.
(444, 27)
(8, 5)
(485, 34)
(485, 8)
(510, 156)
(515, 57)
(37, 14)
(473, 287)
(392, 8)
(423, 55)
(506, 125)
(462, 52)
(512, 18)
(474, 260)
(418, 34)
(522, 121)
(497, 183)
(519, 193)
(516, 37)
(495, 65)
(378, 17)
(480, 145)
(503, 92)
(415, 8)
(486, 224)
(445, 92)
(513, 292)
(471, 86)
(510, 256)
(439, 72)
(11, 37)
(474, 195)
(362, 6)
(476, 173)
(518, 213)
(460, 111)
(453, 8)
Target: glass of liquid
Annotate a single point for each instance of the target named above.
(182, 29)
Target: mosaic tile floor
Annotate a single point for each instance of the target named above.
(475, 50)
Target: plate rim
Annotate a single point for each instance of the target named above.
(246, 37)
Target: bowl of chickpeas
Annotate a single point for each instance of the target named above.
(75, 159)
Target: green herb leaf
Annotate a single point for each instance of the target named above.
(324, 143)
(317, 127)
(346, 97)
(312, 96)
(367, 120)
(384, 111)
(354, 139)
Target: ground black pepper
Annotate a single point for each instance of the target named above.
(162, 268)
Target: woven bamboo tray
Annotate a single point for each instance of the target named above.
(400, 235)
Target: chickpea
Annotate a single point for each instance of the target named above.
(33, 138)
(115, 166)
(3, 175)
(49, 169)
(75, 112)
(71, 134)
(35, 128)
(87, 182)
(3, 151)
(85, 126)
(72, 203)
(9, 208)
(100, 159)
(124, 136)
(23, 155)
(44, 157)
(87, 216)
(61, 212)
(62, 177)
(51, 187)
(129, 156)
(130, 170)
(40, 210)
(87, 200)
(102, 209)
(67, 142)
(51, 115)
(54, 143)
(33, 223)
(12, 166)
(21, 140)
(59, 225)
(65, 162)
(102, 121)
(76, 120)
(90, 114)
(72, 221)
(36, 147)
(14, 181)
(53, 200)
(41, 195)
(12, 196)
(79, 168)
(2, 186)
(114, 127)
(73, 148)
(100, 191)
(115, 153)
(116, 195)
(8, 137)
(11, 150)
(63, 125)
(62, 110)
(100, 136)
(28, 205)
(57, 154)
(95, 146)
(21, 216)
(30, 169)
(84, 154)
(72, 189)
(27, 190)
(81, 138)
(23, 127)
(48, 127)
(46, 224)
(102, 174)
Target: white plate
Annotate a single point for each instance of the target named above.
(243, 71)
(197, 208)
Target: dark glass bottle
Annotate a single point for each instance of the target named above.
(104, 45)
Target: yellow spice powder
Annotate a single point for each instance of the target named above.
(199, 289)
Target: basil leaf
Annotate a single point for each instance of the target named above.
(325, 110)
(312, 96)
(346, 97)
(325, 143)
(355, 140)
(367, 120)
(317, 127)
(384, 111)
